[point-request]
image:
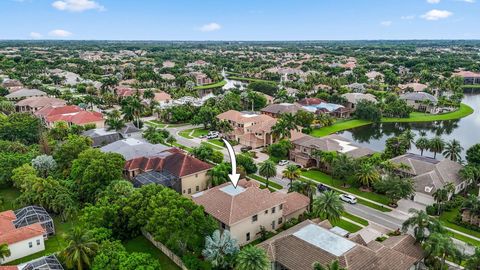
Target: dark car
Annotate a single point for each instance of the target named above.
(245, 148)
(322, 188)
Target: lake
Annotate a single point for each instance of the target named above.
(465, 130)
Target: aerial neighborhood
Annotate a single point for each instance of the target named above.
(245, 155)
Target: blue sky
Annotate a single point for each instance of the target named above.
(239, 20)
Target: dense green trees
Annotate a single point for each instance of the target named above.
(4, 251)
(473, 154)
(395, 187)
(69, 150)
(368, 110)
(80, 250)
(280, 149)
(21, 127)
(206, 152)
(263, 87)
(13, 155)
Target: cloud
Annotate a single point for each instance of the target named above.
(59, 33)
(210, 27)
(386, 23)
(433, 1)
(77, 5)
(35, 35)
(435, 15)
(408, 17)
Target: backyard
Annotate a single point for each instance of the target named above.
(141, 244)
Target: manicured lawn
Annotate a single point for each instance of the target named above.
(237, 78)
(263, 180)
(54, 243)
(347, 226)
(141, 244)
(357, 219)
(217, 142)
(197, 132)
(448, 218)
(213, 85)
(327, 179)
(8, 195)
(463, 111)
(186, 148)
(155, 124)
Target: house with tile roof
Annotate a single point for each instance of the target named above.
(430, 174)
(71, 114)
(33, 104)
(245, 209)
(421, 101)
(24, 93)
(353, 99)
(304, 148)
(171, 168)
(251, 129)
(308, 242)
(413, 87)
(22, 239)
(277, 109)
(469, 77)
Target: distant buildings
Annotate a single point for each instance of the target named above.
(469, 77)
(200, 78)
(247, 208)
(430, 175)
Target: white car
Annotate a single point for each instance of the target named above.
(348, 198)
(213, 133)
(283, 162)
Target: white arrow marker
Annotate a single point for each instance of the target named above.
(234, 177)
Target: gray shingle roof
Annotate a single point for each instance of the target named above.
(419, 96)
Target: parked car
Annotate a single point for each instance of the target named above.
(213, 133)
(245, 149)
(322, 188)
(213, 136)
(283, 162)
(348, 198)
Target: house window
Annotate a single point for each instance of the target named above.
(281, 206)
(266, 211)
(184, 191)
(223, 226)
(248, 237)
(189, 191)
(254, 218)
(273, 225)
(197, 188)
(38, 242)
(280, 220)
(196, 175)
(273, 210)
(30, 244)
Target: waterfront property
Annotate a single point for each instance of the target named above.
(277, 109)
(430, 175)
(421, 101)
(299, 247)
(469, 77)
(304, 148)
(244, 210)
(354, 98)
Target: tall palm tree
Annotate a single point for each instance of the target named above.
(423, 224)
(441, 246)
(422, 144)
(334, 265)
(267, 169)
(291, 172)
(367, 174)
(409, 137)
(305, 187)
(436, 145)
(328, 206)
(220, 248)
(4, 251)
(252, 258)
(440, 195)
(453, 149)
(80, 250)
(284, 126)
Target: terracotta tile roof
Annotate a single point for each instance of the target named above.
(282, 108)
(69, 113)
(311, 101)
(230, 209)
(293, 202)
(10, 234)
(9, 267)
(464, 74)
(162, 96)
(176, 163)
(242, 118)
(56, 110)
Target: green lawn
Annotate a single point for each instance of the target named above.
(447, 218)
(54, 243)
(463, 111)
(209, 86)
(237, 78)
(197, 132)
(155, 124)
(352, 228)
(477, 86)
(186, 148)
(8, 196)
(263, 180)
(141, 244)
(217, 142)
(357, 219)
(327, 179)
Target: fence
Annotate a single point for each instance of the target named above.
(165, 250)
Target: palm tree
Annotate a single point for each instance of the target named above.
(473, 261)
(441, 246)
(80, 250)
(305, 187)
(252, 258)
(114, 120)
(422, 144)
(292, 173)
(453, 149)
(267, 169)
(328, 206)
(284, 126)
(220, 248)
(409, 137)
(4, 251)
(334, 265)
(367, 174)
(436, 145)
(422, 224)
(440, 195)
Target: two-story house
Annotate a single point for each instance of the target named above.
(244, 210)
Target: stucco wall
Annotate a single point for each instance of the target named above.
(21, 249)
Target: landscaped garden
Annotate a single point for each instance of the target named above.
(141, 244)
(210, 86)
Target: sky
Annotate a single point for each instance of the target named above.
(239, 19)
